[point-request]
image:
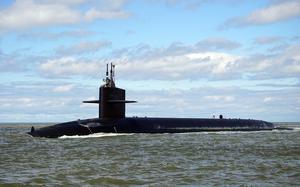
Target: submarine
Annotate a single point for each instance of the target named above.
(112, 118)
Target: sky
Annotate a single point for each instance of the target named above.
(177, 58)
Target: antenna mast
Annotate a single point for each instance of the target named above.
(106, 70)
(114, 78)
(111, 72)
(107, 77)
(112, 75)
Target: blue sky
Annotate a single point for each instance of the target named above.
(178, 58)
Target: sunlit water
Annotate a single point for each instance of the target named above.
(267, 158)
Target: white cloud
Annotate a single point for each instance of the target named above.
(283, 64)
(219, 62)
(233, 102)
(265, 40)
(69, 66)
(12, 62)
(83, 47)
(177, 61)
(268, 99)
(67, 2)
(63, 88)
(32, 13)
(216, 43)
(185, 66)
(27, 13)
(194, 65)
(283, 10)
(288, 62)
(182, 63)
(47, 35)
(293, 68)
(93, 14)
(222, 98)
(274, 13)
(32, 102)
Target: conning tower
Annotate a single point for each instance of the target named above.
(111, 99)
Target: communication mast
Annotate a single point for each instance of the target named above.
(110, 76)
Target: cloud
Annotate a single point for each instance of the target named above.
(278, 48)
(93, 14)
(69, 66)
(193, 64)
(83, 47)
(203, 60)
(189, 4)
(177, 61)
(217, 98)
(283, 64)
(46, 35)
(46, 100)
(32, 13)
(21, 15)
(67, 2)
(266, 40)
(32, 103)
(295, 38)
(11, 62)
(63, 88)
(183, 62)
(179, 48)
(280, 11)
(34, 109)
(232, 102)
(278, 85)
(217, 44)
(194, 4)
(188, 66)
(10, 66)
(36, 101)
(268, 99)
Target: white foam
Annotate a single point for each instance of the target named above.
(236, 132)
(233, 132)
(95, 135)
(99, 135)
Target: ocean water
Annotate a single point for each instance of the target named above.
(266, 158)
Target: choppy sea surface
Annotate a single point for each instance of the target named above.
(266, 158)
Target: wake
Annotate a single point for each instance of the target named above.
(95, 135)
(101, 134)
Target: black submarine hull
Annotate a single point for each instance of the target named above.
(111, 103)
(149, 125)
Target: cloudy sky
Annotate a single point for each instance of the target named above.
(177, 58)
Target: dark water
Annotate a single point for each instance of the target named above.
(208, 159)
